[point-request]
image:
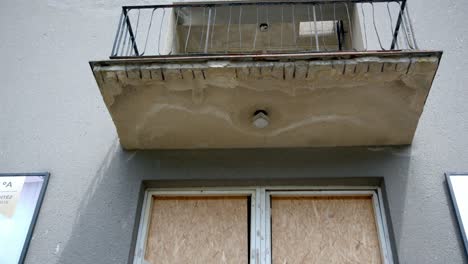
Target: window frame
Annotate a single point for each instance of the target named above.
(140, 247)
(379, 213)
(260, 213)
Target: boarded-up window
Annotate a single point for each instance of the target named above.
(198, 230)
(324, 230)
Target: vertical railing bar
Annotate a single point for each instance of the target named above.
(189, 29)
(338, 34)
(124, 39)
(124, 44)
(256, 29)
(160, 30)
(207, 30)
(402, 34)
(323, 30)
(240, 27)
(334, 11)
(213, 28)
(315, 29)
(269, 26)
(410, 24)
(203, 30)
(338, 28)
(375, 26)
(132, 37)
(397, 28)
(405, 32)
(350, 24)
(129, 48)
(391, 20)
(118, 35)
(174, 38)
(228, 29)
(364, 25)
(310, 27)
(294, 25)
(282, 22)
(136, 28)
(148, 31)
(400, 42)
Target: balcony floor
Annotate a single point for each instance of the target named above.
(312, 99)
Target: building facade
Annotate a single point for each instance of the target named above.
(54, 119)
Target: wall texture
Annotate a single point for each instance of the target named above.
(52, 118)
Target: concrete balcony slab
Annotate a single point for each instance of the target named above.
(311, 100)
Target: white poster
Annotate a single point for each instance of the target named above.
(19, 197)
(10, 189)
(458, 185)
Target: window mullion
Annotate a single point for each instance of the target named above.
(260, 239)
(267, 228)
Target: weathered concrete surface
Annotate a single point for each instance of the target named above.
(354, 102)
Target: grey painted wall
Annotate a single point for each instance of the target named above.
(52, 118)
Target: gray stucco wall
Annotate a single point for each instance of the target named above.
(52, 118)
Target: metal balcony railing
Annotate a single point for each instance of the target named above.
(263, 27)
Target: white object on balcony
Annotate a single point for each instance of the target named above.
(324, 28)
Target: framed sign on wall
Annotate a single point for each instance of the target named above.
(21, 195)
(458, 186)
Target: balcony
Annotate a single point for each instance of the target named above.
(266, 74)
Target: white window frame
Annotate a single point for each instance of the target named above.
(260, 213)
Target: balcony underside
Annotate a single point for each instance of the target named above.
(312, 100)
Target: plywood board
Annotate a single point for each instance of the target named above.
(198, 230)
(324, 230)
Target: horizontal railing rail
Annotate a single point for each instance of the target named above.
(264, 27)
